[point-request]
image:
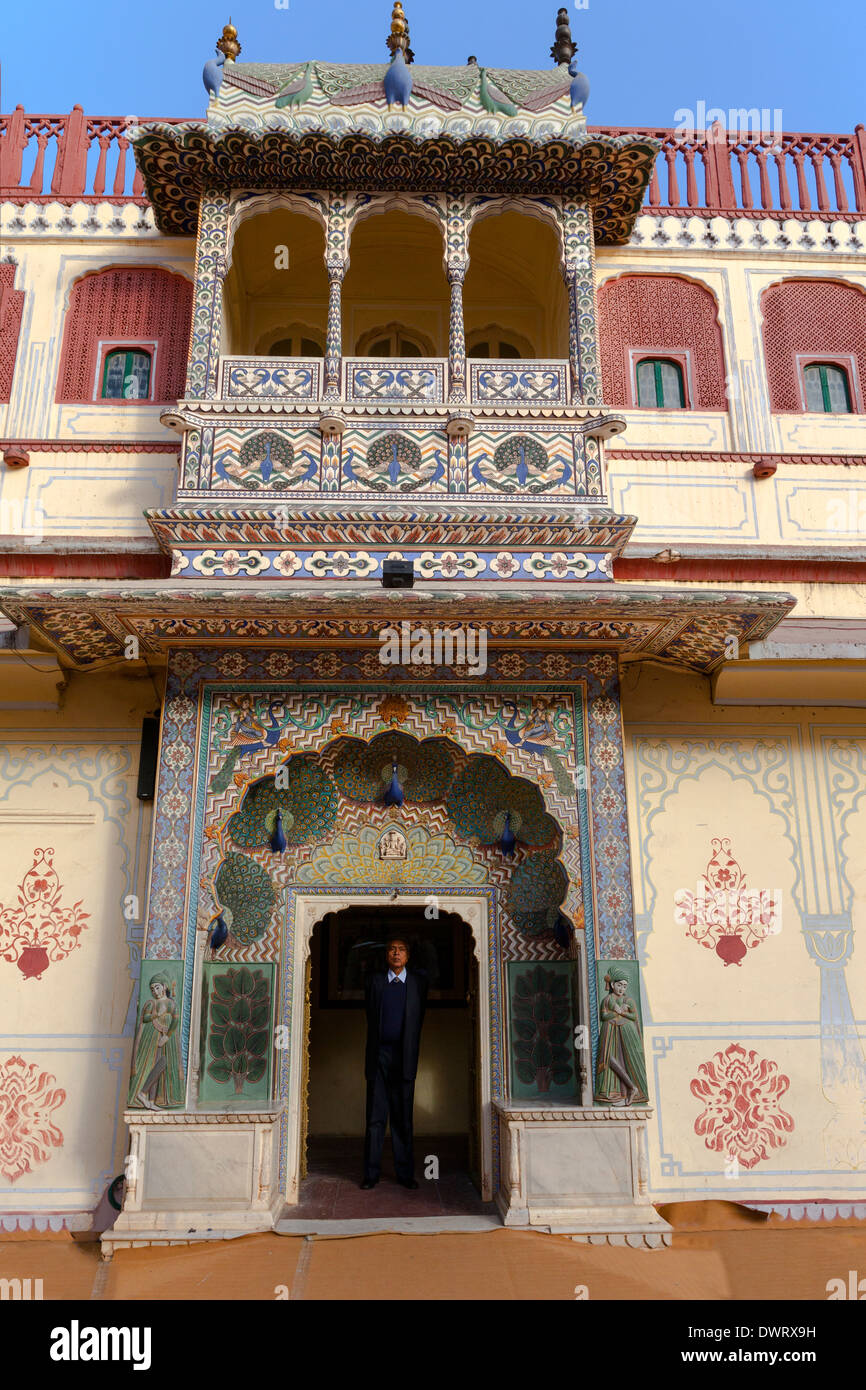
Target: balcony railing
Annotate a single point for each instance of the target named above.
(768, 175)
(395, 381)
(64, 157)
(791, 174)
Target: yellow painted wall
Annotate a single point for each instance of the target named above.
(782, 785)
(68, 784)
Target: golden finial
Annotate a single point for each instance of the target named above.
(399, 35)
(228, 44)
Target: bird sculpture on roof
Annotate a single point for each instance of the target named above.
(493, 99)
(398, 81)
(398, 78)
(564, 51)
(579, 90)
(299, 90)
(212, 75)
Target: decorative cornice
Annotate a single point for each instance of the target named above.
(94, 446)
(516, 1110)
(750, 232)
(591, 420)
(88, 623)
(181, 160)
(712, 456)
(159, 1119)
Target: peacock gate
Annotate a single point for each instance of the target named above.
(429, 529)
(305, 803)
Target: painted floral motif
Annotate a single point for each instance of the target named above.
(510, 664)
(505, 565)
(27, 1131)
(743, 1116)
(230, 562)
(450, 565)
(341, 563)
(40, 929)
(393, 709)
(287, 563)
(559, 565)
(724, 914)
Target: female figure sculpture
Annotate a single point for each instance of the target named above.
(156, 1082)
(620, 1076)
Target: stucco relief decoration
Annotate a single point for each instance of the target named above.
(27, 1130)
(40, 929)
(743, 1117)
(724, 914)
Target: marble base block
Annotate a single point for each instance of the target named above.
(201, 1174)
(579, 1170)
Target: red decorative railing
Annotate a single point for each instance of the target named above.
(768, 175)
(720, 171)
(76, 156)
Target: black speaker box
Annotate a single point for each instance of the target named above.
(147, 758)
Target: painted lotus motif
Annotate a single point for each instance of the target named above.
(27, 1130)
(724, 913)
(39, 929)
(743, 1115)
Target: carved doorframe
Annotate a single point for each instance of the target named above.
(307, 909)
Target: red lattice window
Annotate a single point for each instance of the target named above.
(812, 321)
(670, 317)
(11, 309)
(129, 307)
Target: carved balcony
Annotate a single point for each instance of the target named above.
(395, 381)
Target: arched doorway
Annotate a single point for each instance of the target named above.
(469, 918)
(344, 947)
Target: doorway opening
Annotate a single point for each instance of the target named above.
(344, 947)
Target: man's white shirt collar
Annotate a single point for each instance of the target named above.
(401, 976)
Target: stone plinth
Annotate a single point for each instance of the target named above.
(198, 1175)
(579, 1170)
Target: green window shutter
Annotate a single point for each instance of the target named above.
(126, 376)
(660, 384)
(827, 391)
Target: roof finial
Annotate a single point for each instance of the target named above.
(398, 39)
(228, 44)
(564, 48)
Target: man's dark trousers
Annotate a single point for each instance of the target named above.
(389, 1096)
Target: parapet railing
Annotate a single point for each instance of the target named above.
(77, 156)
(768, 174)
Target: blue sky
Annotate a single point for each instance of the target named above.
(644, 60)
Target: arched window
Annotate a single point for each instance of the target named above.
(667, 318)
(122, 313)
(296, 344)
(827, 390)
(815, 346)
(126, 375)
(393, 341)
(491, 343)
(660, 384)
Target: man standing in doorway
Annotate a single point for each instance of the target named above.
(395, 1000)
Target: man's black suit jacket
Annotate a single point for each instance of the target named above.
(416, 1003)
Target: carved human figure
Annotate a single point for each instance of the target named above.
(620, 1077)
(157, 1083)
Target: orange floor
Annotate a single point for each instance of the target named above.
(719, 1252)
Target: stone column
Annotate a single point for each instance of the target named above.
(456, 335)
(578, 271)
(210, 271)
(337, 267)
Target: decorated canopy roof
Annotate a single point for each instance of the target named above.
(87, 625)
(398, 126)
